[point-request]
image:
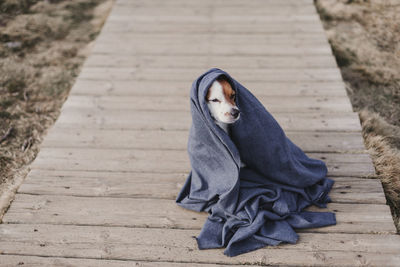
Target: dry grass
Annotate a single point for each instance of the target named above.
(365, 39)
(379, 139)
(42, 45)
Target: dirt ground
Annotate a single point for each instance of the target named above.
(42, 47)
(365, 39)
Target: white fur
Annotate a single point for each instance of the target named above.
(220, 111)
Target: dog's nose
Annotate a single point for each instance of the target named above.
(235, 113)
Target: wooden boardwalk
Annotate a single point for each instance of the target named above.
(101, 191)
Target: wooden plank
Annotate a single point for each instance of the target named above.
(208, 3)
(154, 28)
(157, 161)
(162, 213)
(306, 22)
(177, 140)
(175, 47)
(201, 62)
(117, 184)
(261, 10)
(206, 27)
(165, 185)
(226, 39)
(176, 120)
(188, 75)
(274, 21)
(282, 5)
(37, 261)
(213, 3)
(40, 261)
(179, 245)
(324, 104)
(222, 37)
(176, 156)
(157, 88)
(222, 18)
(229, 41)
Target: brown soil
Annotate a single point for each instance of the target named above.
(42, 47)
(365, 39)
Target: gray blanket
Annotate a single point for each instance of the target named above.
(257, 205)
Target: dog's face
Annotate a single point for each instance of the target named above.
(221, 102)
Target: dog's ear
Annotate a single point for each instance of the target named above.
(222, 78)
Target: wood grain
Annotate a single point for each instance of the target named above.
(179, 245)
(339, 142)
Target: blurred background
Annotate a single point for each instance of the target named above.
(43, 46)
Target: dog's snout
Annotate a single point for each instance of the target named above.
(235, 112)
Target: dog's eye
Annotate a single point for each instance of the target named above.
(215, 100)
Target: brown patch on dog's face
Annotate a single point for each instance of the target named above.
(229, 93)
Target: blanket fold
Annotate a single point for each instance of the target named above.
(257, 205)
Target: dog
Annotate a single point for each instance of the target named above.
(221, 104)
